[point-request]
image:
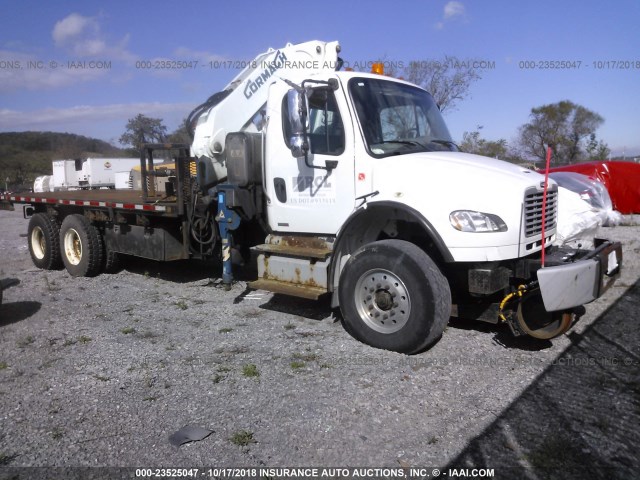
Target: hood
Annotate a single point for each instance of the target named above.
(438, 183)
(451, 172)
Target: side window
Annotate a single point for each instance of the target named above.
(326, 131)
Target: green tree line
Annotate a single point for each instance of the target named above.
(569, 129)
(26, 155)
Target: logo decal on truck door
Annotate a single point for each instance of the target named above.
(309, 189)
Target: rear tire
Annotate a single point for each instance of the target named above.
(394, 297)
(112, 261)
(44, 242)
(81, 245)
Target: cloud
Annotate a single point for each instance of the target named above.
(72, 27)
(83, 37)
(29, 72)
(86, 113)
(91, 48)
(453, 9)
(90, 119)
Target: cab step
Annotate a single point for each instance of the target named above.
(286, 288)
(292, 265)
(292, 251)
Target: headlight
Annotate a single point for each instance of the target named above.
(478, 222)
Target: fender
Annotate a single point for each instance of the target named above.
(361, 227)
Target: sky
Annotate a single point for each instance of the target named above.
(79, 66)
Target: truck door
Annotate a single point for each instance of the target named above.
(302, 198)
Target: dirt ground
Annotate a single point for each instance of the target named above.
(100, 372)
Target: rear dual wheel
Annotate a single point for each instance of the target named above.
(44, 243)
(82, 246)
(112, 261)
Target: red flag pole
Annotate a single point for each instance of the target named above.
(544, 202)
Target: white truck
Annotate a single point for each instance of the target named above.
(85, 173)
(101, 172)
(347, 184)
(65, 175)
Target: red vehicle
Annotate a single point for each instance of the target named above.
(622, 180)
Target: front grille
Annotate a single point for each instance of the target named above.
(533, 211)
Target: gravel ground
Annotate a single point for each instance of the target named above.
(101, 371)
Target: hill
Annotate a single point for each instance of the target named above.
(26, 155)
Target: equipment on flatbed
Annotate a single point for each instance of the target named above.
(339, 183)
(84, 173)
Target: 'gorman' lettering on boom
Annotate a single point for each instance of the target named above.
(254, 84)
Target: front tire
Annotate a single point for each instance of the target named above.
(81, 246)
(394, 297)
(44, 244)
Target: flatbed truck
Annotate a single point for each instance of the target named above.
(345, 184)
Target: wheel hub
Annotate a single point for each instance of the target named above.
(73, 246)
(38, 243)
(382, 301)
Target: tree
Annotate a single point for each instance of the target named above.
(597, 150)
(473, 143)
(563, 126)
(141, 130)
(181, 134)
(448, 80)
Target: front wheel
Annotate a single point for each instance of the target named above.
(81, 245)
(394, 297)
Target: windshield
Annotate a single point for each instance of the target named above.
(398, 118)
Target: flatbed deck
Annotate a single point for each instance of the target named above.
(99, 198)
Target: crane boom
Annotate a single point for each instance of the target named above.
(238, 106)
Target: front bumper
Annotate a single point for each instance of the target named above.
(584, 277)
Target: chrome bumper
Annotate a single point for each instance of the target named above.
(581, 281)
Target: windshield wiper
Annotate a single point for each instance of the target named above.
(402, 142)
(448, 143)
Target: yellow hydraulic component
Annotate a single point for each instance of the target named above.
(531, 317)
(522, 289)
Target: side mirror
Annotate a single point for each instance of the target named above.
(298, 106)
